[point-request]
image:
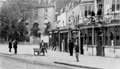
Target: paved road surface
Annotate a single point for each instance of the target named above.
(6, 62)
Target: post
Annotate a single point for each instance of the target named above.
(59, 37)
(92, 39)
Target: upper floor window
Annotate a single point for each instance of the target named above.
(113, 5)
(118, 4)
(88, 11)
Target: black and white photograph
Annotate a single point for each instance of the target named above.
(59, 34)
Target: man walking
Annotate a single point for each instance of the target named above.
(71, 47)
(10, 45)
(15, 46)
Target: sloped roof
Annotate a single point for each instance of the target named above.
(61, 3)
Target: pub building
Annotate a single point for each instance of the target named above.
(100, 35)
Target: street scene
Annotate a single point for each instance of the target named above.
(59, 34)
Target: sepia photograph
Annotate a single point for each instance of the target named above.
(59, 34)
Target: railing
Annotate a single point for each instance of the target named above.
(95, 19)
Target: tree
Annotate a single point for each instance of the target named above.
(14, 13)
(35, 29)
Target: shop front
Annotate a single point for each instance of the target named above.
(63, 36)
(100, 41)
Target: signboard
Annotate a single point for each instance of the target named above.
(86, 20)
(108, 18)
(45, 38)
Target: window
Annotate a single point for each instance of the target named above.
(100, 6)
(118, 4)
(90, 41)
(117, 40)
(87, 11)
(106, 40)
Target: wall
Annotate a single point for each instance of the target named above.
(49, 14)
(109, 51)
(71, 15)
(78, 11)
(61, 19)
(107, 6)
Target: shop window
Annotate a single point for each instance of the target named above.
(90, 41)
(106, 40)
(117, 40)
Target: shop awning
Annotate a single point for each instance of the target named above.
(114, 22)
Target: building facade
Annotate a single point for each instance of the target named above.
(98, 23)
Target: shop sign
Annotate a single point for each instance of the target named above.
(86, 20)
(55, 31)
(107, 19)
(50, 32)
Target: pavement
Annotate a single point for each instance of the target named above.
(25, 52)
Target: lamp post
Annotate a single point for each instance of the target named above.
(71, 21)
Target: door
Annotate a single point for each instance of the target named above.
(81, 46)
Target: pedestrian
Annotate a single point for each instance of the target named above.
(63, 45)
(15, 46)
(77, 51)
(43, 48)
(71, 46)
(54, 46)
(10, 45)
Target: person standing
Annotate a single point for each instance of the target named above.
(15, 46)
(71, 45)
(42, 46)
(10, 45)
(77, 51)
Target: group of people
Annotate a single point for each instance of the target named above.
(13, 44)
(71, 47)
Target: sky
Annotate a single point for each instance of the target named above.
(1, 2)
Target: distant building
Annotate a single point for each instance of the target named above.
(46, 11)
(1, 3)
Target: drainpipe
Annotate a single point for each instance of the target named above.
(79, 41)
